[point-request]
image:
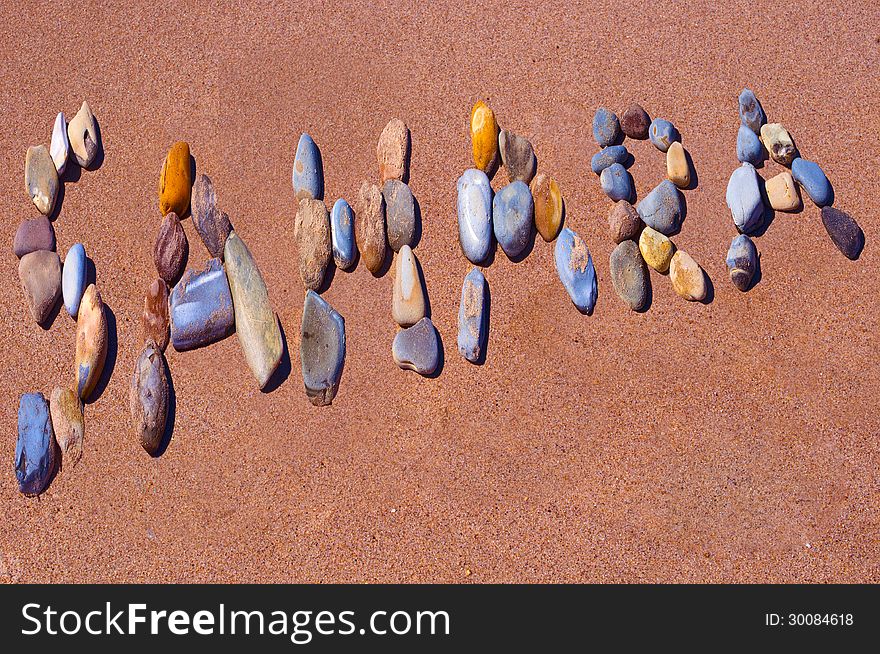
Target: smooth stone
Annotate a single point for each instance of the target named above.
(473, 316)
(624, 222)
(779, 144)
(256, 323)
(91, 342)
(749, 148)
(400, 214)
(393, 151)
(73, 278)
(744, 198)
(742, 261)
(417, 348)
(41, 179)
(155, 322)
(175, 180)
(662, 208)
(484, 138)
(35, 445)
(342, 234)
(548, 206)
(513, 212)
(782, 192)
(40, 275)
(635, 122)
(574, 265)
(518, 156)
(607, 156)
(656, 249)
(811, 178)
(59, 147)
(844, 231)
(171, 249)
(474, 215)
(629, 275)
(312, 234)
(617, 183)
(212, 224)
(606, 127)
(201, 307)
(68, 424)
(370, 227)
(33, 234)
(321, 349)
(149, 397)
(663, 134)
(308, 170)
(82, 133)
(677, 168)
(751, 114)
(687, 277)
(408, 299)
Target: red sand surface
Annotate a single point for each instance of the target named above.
(733, 441)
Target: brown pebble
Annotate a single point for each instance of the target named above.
(33, 234)
(635, 122)
(393, 152)
(68, 424)
(312, 234)
(40, 275)
(171, 249)
(212, 224)
(155, 321)
(370, 227)
(624, 222)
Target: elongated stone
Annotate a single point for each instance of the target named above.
(40, 275)
(342, 234)
(321, 349)
(35, 446)
(662, 208)
(548, 206)
(73, 278)
(154, 320)
(474, 215)
(677, 168)
(617, 183)
(751, 114)
(59, 147)
(513, 212)
(606, 127)
(256, 324)
(782, 192)
(635, 122)
(574, 265)
(624, 222)
(408, 299)
(607, 156)
(393, 151)
(656, 249)
(201, 307)
(742, 261)
(744, 198)
(91, 342)
(171, 249)
(312, 233)
(778, 142)
(484, 138)
(308, 170)
(175, 180)
(811, 178)
(629, 276)
(82, 133)
(417, 348)
(41, 179)
(687, 277)
(212, 224)
(518, 156)
(844, 232)
(370, 227)
(473, 317)
(67, 424)
(663, 134)
(149, 397)
(33, 234)
(400, 214)
(749, 148)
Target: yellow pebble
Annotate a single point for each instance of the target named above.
(656, 249)
(484, 137)
(548, 206)
(677, 169)
(782, 192)
(175, 180)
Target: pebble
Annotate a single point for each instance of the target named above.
(656, 249)
(312, 234)
(308, 170)
(513, 212)
(73, 278)
(617, 183)
(687, 277)
(473, 316)
(662, 208)
(321, 349)
(751, 114)
(67, 424)
(59, 147)
(256, 324)
(782, 192)
(212, 224)
(370, 227)
(41, 179)
(91, 342)
(35, 446)
(635, 122)
(417, 348)
(400, 214)
(663, 134)
(484, 138)
(624, 222)
(393, 151)
(844, 231)
(408, 298)
(742, 261)
(171, 249)
(548, 206)
(33, 234)
(606, 128)
(342, 234)
(744, 198)
(811, 178)
(749, 148)
(677, 169)
(149, 397)
(518, 156)
(175, 180)
(82, 133)
(607, 156)
(629, 275)
(40, 275)
(474, 215)
(154, 320)
(201, 307)
(778, 142)
(574, 265)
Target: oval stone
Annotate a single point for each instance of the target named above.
(662, 208)
(663, 134)
(484, 138)
(751, 114)
(624, 222)
(41, 179)
(687, 277)
(154, 320)
(370, 227)
(656, 249)
(574, 265)
(393, 151)
(35, 445)
(59, 147)
(778, 142)
(40, 275)
(73, 278)
(171, 249)
(749, 148)
(811, 178)
(548, 205)
(473, 316)
(518, 156)
(607, 156)
(744, 198)
(417, 348)
(606, 128)
(149, 397)
(312, 233)
(474, 215)
(68, 424)
(513, 213)
(308, 170)
(635, 122)
(201, 307)
(212, 224)
(91, 342)
(342, 234)
(33, 234)
(617, 183)
(408, 299)
(321, 349)
(175, 180)
(629, 275)
(400, 214)
(742, 261)
(844, 232)
(82, 133)
(677, 168)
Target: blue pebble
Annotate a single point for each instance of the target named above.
(606, 127)
(751, 114)
(513, 214)
(574, 265)
(308, 171)
(744, 198)
(35, 447)
(473, 317)
(342, 234)
(749, 148)
(607, 156)
(474, 214)
(617, 183)
(811, 178)
(662, 208)
(663, 134)
(201, 308)
(73, 278)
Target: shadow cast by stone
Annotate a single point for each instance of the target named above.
(98, 160)
(329, 276)
(417, 229)
(695, 177)
(46, 325)
(441, 355)
(110, 359)
(710, 289)
(282, 372)
(172, 414)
